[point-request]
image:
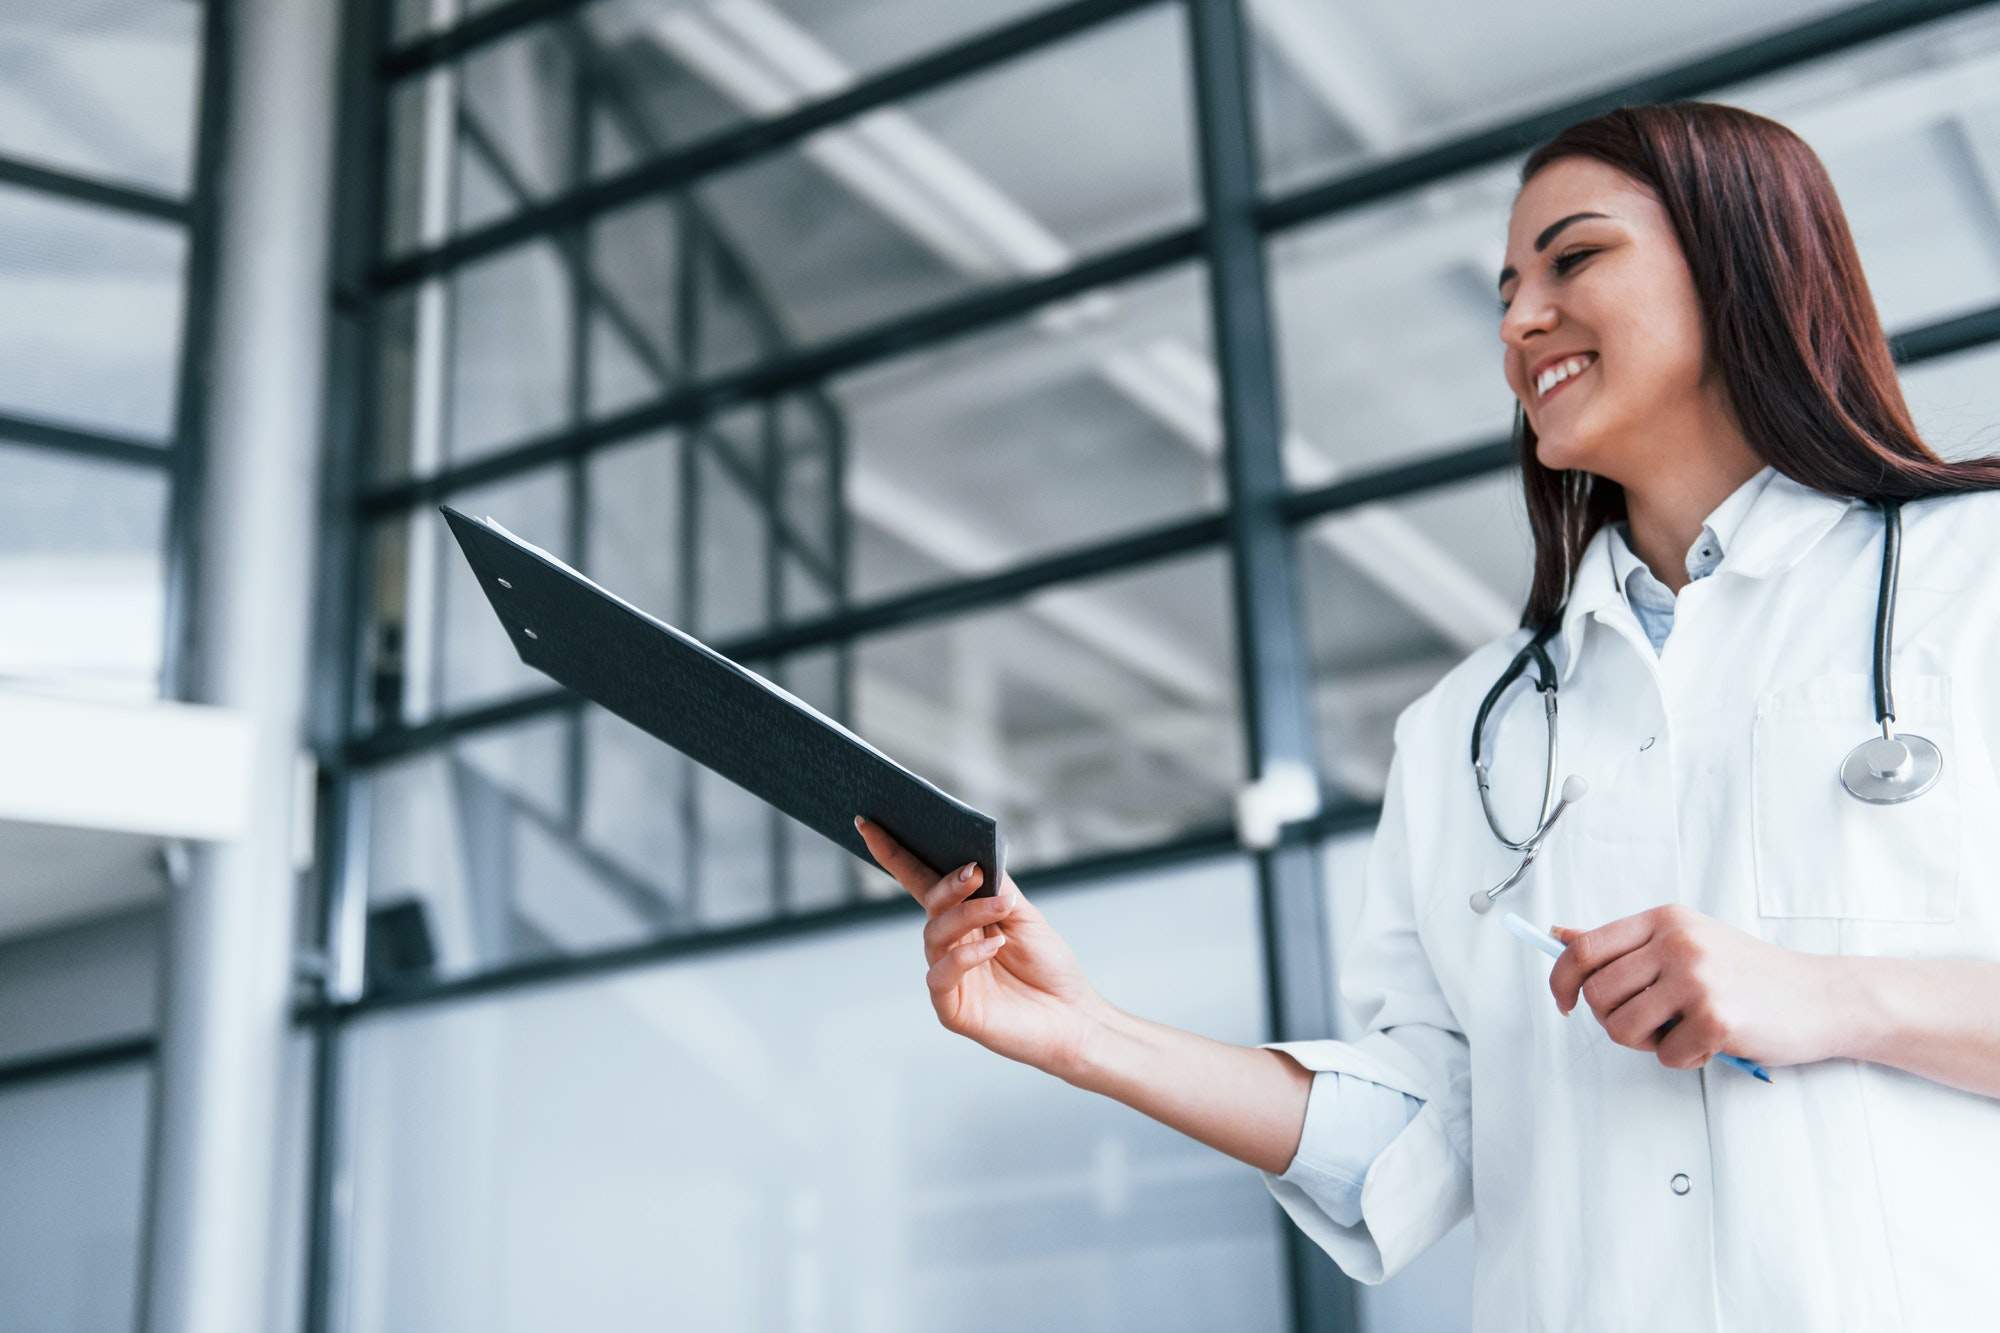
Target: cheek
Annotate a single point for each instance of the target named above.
(1658, 355)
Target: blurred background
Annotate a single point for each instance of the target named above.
(1095, 403)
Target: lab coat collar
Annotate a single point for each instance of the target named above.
(1766, 526)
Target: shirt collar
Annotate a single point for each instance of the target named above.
(1765, 526)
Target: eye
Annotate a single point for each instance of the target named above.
(1563, 265)
(1569, 259)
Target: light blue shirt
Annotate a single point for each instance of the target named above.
(1350, 1120)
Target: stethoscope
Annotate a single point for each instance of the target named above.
(1882, 770)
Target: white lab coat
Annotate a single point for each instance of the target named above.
(1844, 1195)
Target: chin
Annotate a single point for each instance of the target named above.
(1558, 453)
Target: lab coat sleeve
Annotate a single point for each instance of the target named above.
(1419, 1185)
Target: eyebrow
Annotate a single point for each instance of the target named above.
(1548, 234)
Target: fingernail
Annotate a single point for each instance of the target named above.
(859, 821)
(965, 872)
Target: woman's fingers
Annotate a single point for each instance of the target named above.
(1618, 981)
(953, 964)
(1637, 1022)
(946, 928)
(892, 856)
(1587, 950)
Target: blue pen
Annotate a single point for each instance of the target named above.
(1553, 947)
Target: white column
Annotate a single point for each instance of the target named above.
(226, 988)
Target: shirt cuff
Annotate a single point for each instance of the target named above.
(1415, 1189)
(1349, 1121)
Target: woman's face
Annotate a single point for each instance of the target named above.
(1601, 321)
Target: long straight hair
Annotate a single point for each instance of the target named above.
(1786, 316)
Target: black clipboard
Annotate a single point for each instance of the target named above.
(723, 716)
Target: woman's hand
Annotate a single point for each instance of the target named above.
(999, 974)
(1686, 986)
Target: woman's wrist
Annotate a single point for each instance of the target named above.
(1091, 1063)
(1853, 1006)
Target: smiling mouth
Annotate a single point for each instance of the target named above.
(1553, 380)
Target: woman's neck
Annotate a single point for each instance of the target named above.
(1666, 507)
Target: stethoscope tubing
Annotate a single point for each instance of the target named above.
(1876, 781)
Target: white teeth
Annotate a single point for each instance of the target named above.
(1556, 374)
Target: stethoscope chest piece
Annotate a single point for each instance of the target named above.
(1884, 770)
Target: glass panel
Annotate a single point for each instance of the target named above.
(577, 832)
(1343, 86)
(1389, 329)
(73, 1154)
(1089, 418)
(66, 983)
(643, 49)
(777, 1137)
(502, 374)
(505, 115)
(956, 190)
(1095, 716)
(82, 573)
(434, 643)
(93, 301)
(105, 88)
(1954, 403)
(1909, 130)
(1395, 595)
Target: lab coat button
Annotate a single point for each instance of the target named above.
(1680, 1183)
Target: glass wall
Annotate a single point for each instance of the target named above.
(74, 1152)
(105, 177)
(785, 1138)
(877, 344)
(98, 141)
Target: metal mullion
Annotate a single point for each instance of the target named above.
(774, 614)
(33, 432)
(468, 35)
(806, 366)
(1401, 480)
(739, 144)
(183, 535)
(1080, 874)
(1774, 52)
(74, 1060)
(348, 559)
(1272, 662)
(130, 199)
(841, 538)
(1946, 337)
(575, 243)
(689, 535)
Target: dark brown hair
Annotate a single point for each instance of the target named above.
(1786, 316)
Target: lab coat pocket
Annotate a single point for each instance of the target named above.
(1818, 851)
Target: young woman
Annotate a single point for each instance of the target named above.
(1710, 426)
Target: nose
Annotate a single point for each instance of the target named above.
(1530, 314)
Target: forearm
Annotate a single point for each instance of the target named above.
(1241, 1100)
(1939, 1018)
